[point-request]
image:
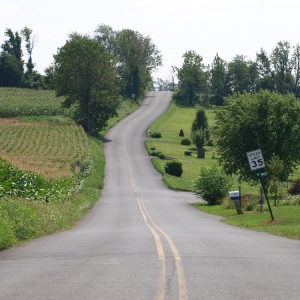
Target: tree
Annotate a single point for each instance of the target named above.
(84, 74)
(266, 78)
(11, 63)
(295, 62)
(136, 57)
(264, 120)
(199, 131)
(30, 43)
(192, 79)
(281, 62)
(11, 73)
(242, 74)
(219, 85)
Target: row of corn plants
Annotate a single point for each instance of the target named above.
(15, 182)
(16, 102)
(43, 148)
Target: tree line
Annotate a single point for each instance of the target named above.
(210, 84)
(93, 73)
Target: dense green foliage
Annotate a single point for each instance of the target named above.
(136, 57)
(212, 184)
(185, 141)
(191, 79)
(12, 64)
(199, 131)
(264, 120)
(295, 187)
(278, 71)
(31, 186)
(85, 75)
(174, 168)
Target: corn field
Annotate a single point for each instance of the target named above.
(15, 102)
(46, 149)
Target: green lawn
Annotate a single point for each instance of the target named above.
(287, 217)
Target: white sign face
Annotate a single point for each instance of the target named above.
(256, 160)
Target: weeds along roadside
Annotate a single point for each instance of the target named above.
(22, 220)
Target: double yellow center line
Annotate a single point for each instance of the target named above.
(155, 230)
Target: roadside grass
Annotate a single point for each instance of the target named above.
(287, 217)
(22, 220)
(181, 117)
(286, 223)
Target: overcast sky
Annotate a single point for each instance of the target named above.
(227, 27)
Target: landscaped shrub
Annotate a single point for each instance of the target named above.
(153, 153)
(161, 156)
(156, 135)
(295, 187)
(212, 184)
(181, 133)
(186, 141)
(174, 168)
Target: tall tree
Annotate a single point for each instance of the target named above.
(11, 63)
(136, 57)
(192, 79)
(242, 74)
(219, 85)
(280, 59)
(265, 120)
(30, 43)
(295, 62)
(85, 75)
(266, 78)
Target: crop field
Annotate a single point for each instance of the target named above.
(16, 102)
(47, 149)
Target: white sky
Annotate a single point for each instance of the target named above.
(228, 27)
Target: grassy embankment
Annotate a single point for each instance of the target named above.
(42, 139)
(287, 217)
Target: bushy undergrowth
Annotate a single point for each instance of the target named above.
(174, 168)
(31, 186)
(186, 141)
(212, 184)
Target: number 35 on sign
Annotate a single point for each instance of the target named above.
(256, 160)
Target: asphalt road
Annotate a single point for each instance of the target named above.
(143, 241)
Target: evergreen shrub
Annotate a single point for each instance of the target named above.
(186, 141)
(174, 168)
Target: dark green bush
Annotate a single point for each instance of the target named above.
(161, 155)
(153, 153)
(181, 133)
(174, 168)
(212, 184)
(156, 135)
(186, 141)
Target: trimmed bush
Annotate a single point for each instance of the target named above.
(186, 141)
(161, 156)
(174, 168)
(212, 184)
(156, 135)
(181, 133)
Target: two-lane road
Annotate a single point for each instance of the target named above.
(143, 241)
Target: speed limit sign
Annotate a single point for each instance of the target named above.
(256, 160)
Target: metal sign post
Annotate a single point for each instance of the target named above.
(256, 162)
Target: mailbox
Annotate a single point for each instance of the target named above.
(234, 195)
